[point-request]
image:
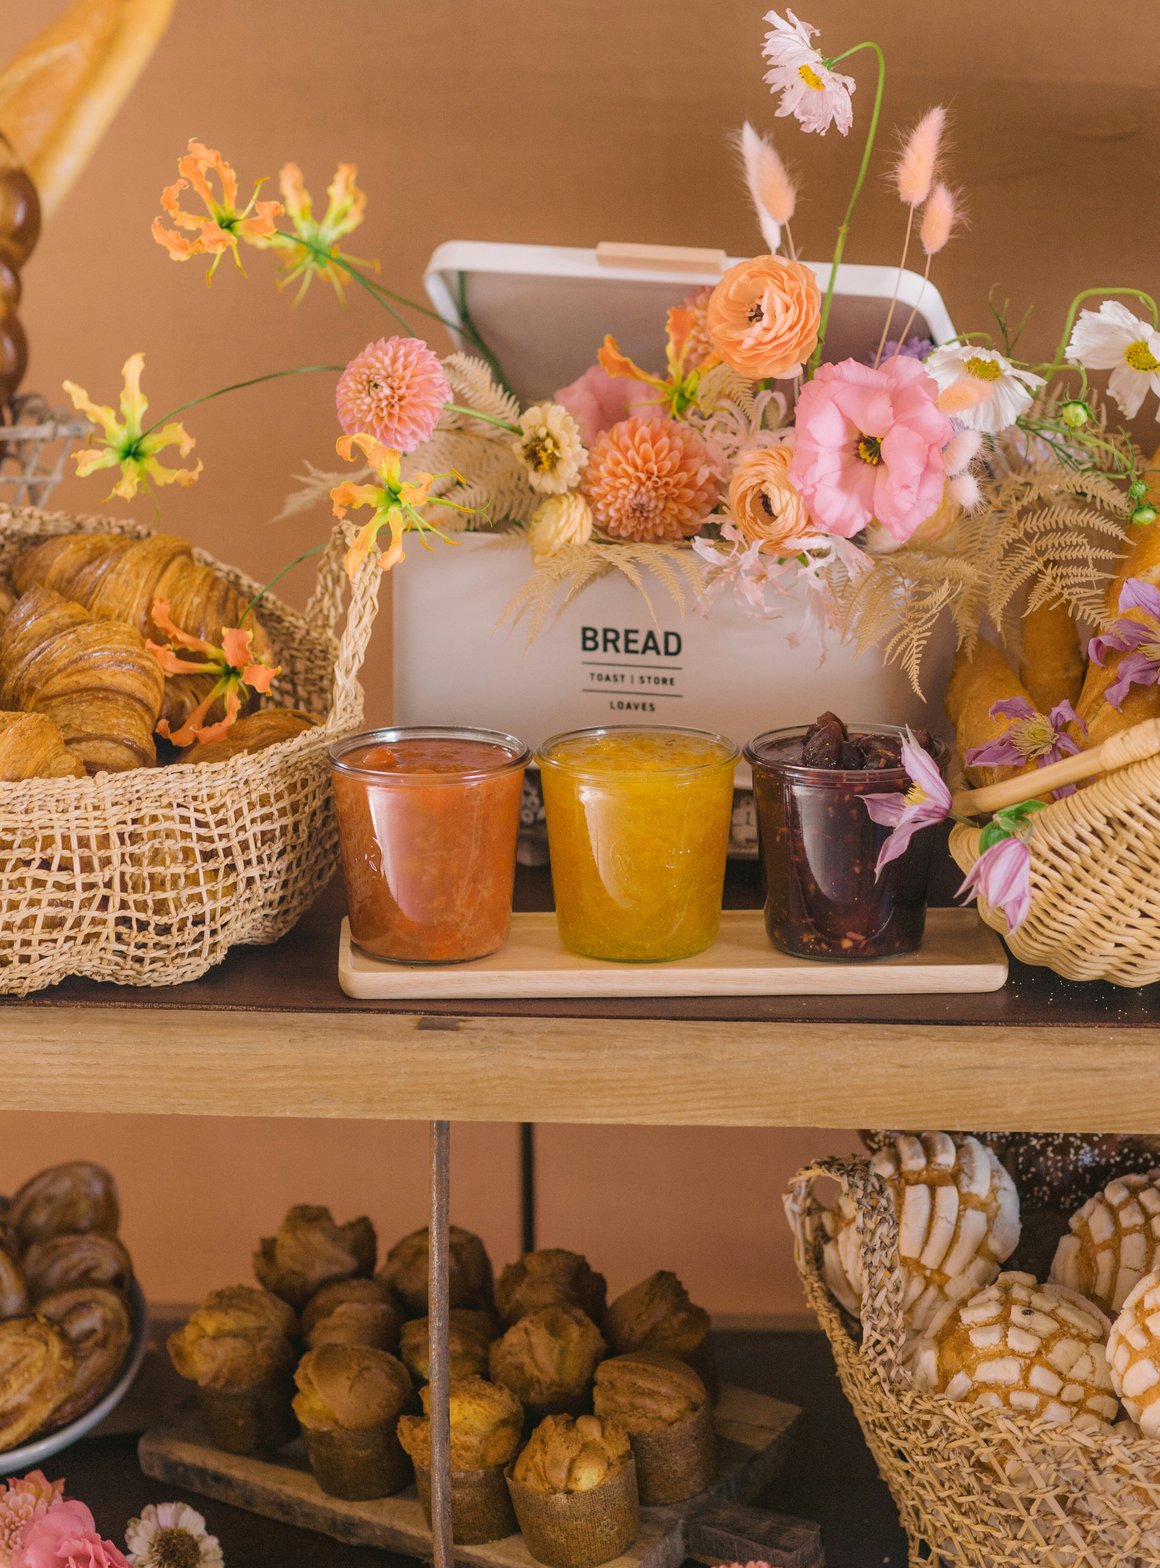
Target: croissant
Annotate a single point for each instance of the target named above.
(254, 733)
(96, 1322)
(117, 578)
(32, 747)
(1052, 662)
(977, 682)
(7, 598)
(37, 1365)
(95, 679)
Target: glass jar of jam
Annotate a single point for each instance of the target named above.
(638, 829)
(428, 822)
(818, 848)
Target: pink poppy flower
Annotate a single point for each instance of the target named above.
(1001, 877)
(870, 447)
(926, 802)
(597, 401)
(1031, 736)
(66, 1537)
(1137, 637)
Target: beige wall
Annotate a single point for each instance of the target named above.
(566, 123)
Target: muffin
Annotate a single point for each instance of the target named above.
(65, 1200)
(468, 1269)
(348, 1405)
(666, 1410)
(352, 1312)
(65, 1261)
(310, 1251)
(551, 1277)
(547, 1360)
(238, 1349)
(574, 1492)
(658, 1315)
(37, 1367)
(486, 1426)
(469, 1334)
(97, 1324)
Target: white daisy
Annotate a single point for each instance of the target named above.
(818, 96)
(171, 1535)
(1114, 339)
(980, 387)
(551, 449)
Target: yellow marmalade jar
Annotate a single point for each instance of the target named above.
(638, 829)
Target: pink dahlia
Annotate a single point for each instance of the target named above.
(870, 447)
(22, 1501)
(650, 480)
(66, 1537)
(394, 390)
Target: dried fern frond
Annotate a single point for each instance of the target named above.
(473, 385)
(314, 490)
(494, 482)
(556, 583)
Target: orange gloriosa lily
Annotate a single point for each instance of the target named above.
(233, 664)
(678, 391)
(312, 249)
(395, 501)
(195, 235)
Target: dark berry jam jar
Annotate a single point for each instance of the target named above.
(818, 849)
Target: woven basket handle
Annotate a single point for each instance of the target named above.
(1118, 751)
(877, 1229)
(326, 606)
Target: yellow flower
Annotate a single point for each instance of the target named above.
(312, 250)
(395, 501)
(226, 224)
(125, 445)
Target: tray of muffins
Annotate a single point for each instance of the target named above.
(582, 1429)
(73, 1323)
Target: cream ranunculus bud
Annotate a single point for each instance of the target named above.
(558, 523)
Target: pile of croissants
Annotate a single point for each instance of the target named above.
(80, 692)
(66, 1305)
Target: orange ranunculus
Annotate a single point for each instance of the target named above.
(763, 317)
(765, 506)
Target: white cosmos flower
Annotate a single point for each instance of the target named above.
(171, 1535)
(810, 90)
(1114, 339)
(550, 446)
(979, 387)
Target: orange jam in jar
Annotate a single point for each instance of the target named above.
(638, 829)
(428, 822)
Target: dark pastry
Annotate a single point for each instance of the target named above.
(352, 1312)
(470, 1333)
(238, 1349)
(37, 1367)
(551, 1277)
(310, 1251)
(97, 1324)
(665, 1408)
(348, 1405)
(574, 1492)
(65, 1200)
(547, 1360)
(64, 1261)
(469, 1270)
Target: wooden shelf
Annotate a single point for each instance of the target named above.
(269, 1033)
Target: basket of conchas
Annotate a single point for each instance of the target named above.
(1010, 1395)
(164, 789)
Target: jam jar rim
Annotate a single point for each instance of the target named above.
(519, 754)
(805, 772)
(730, 751)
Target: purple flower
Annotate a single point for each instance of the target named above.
(1138, 640)
(914, 348)
(1030, 737)
(926, 802)
(1002, 878)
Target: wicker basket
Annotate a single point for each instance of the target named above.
(1095, 872)
(975, 1488)
(149, 877)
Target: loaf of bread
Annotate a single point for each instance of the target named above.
(95, 679)
(253, 733)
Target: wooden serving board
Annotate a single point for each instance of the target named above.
(754, 1432)
(958, 954)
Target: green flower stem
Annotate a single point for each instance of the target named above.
(844, 229)
(238, 386)
(277, 577)
(1073, 311)
(488, 419)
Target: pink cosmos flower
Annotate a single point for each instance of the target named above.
(1001, 877)
(926, 802)
(870, 447)
(1137, 637)
(395, 390)
(597, 401)
(22, 1501)
(1031, 737)
(66, 1537)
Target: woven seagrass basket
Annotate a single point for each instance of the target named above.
(149, 877)
(975, 1488)
(1095, 871)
